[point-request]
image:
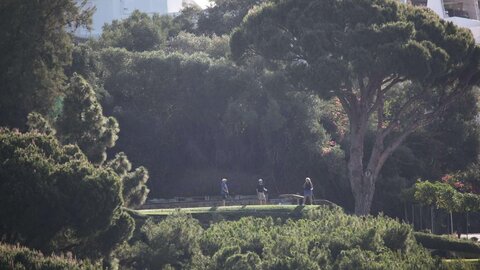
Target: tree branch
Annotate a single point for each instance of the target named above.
(423, 120)
(391, 82)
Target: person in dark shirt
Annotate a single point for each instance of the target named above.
(307, 191)
(261, 192)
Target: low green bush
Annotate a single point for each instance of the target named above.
(22, 258)
(170, 243)
(325, 239)
(437, 242)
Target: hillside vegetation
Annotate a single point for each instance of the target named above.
(325, 239)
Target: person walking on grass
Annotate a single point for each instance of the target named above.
(224, 190)
(308, 191)
(261, 192)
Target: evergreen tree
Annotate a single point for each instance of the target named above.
(134, 190)
(82, 122)
(54, 199)
(35, 46)
(36, 122)
(396, 65)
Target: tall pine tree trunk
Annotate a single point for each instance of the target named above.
(362, 183)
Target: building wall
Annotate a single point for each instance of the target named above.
(462, 13)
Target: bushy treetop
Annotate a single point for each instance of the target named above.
(51, 192)
(341, 41)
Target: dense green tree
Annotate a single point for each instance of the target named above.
(187, 20)
(173, 242)
(190, 119)
(17, 257)
(36, 122)
(187, 43)
(35, 46)
(82, 122)
(448, 145)
(397, 65)
(86, 63)
(224, 15)
(134, 188)
(54, 199)
(138, 32)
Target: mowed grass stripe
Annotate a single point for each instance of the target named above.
(244, 209)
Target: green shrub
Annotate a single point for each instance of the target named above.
(461, 264)
(326, 239)
(170, 243)
(437, 242)
(248, 261)
(396, 237)
(22, 258)
(54, 200)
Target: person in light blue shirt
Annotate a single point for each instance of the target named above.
(224, 190)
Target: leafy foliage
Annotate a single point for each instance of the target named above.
(35, 46)
(242, 122)
(438, 242)
(172, 242)
(224, 15)
(187, 43)
(139, 32)
(444, 196)
(82, 122)
(134, 188)
(396, 65)
(19, 258)
(36, 122)
(328, 239)
(53, 198)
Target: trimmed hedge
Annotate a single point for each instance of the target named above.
(464, 264)
(432, 241)
(22, 258)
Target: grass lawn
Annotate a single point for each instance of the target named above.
(462, 260)
(230, 209)
(461, 263)
(233, 212)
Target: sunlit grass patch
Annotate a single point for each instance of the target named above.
(243, 209)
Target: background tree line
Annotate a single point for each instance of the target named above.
(207, 118)
(165, 93)
(191, 116)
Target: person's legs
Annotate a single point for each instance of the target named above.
(261, 198)
(308, 199)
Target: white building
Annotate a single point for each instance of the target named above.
(463, 13)
(109, 10)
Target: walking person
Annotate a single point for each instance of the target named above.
(224, 190)
(308, 191)
(261, 192)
